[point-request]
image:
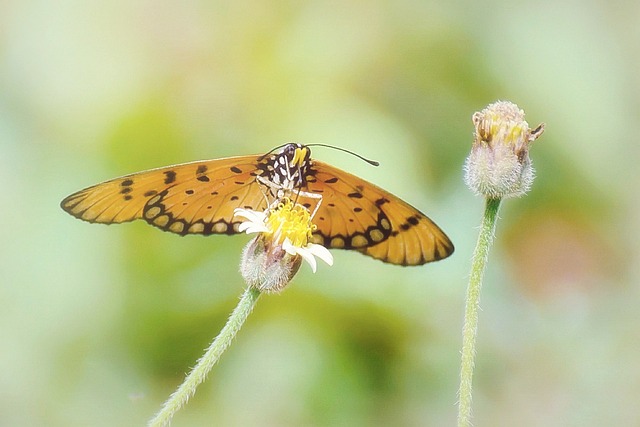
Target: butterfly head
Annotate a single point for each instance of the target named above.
(291, 165)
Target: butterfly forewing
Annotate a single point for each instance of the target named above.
(355, 214)
(197, 197)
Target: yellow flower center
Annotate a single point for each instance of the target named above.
(290, 220)
(509, 132)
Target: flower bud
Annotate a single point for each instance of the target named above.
(499, 165)
(266, 266)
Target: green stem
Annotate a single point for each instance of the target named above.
(199, 373)
(470, 328)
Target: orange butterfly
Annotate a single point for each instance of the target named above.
(200, 197)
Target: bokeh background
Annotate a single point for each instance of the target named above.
(100, 323)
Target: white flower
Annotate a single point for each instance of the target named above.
(271, 259)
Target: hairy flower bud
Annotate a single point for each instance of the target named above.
(499, 165)
(266, 266)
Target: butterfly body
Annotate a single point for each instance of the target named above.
(200, 197)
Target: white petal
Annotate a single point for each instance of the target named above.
(254, 223)
(321, 252)
(289, 248)
(308, 256)
(249, 214)
(244, 226)
(241, 212)
(252, 227)
(308, 253)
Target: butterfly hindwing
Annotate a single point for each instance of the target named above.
(190, 198)
(355, 214)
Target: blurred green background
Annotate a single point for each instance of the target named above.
(100, 323)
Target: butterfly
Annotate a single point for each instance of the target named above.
(200, 198)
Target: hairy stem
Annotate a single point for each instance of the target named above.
(199, 373)
(470, 328)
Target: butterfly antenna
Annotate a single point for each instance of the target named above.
(371, 162)
(272, 150)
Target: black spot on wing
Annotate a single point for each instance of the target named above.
(170, 177)
(200, 174)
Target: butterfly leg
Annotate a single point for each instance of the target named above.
(312, 196)
(280, 190)
(264, 193)
(315, 210)
(283, 191)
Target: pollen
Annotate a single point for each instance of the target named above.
(292, 221)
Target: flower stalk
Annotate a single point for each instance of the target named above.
(269, 262)
(211, 356)
(470, 328)
(497, 168)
